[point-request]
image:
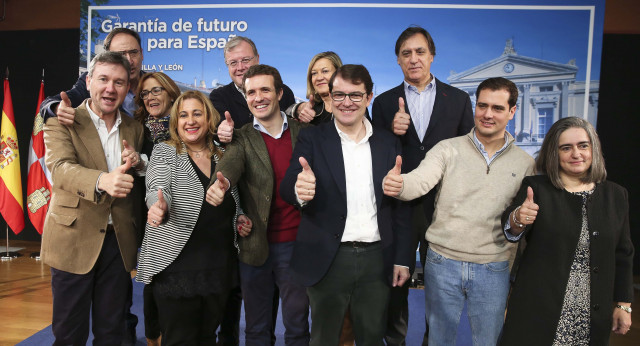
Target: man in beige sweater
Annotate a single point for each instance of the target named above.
(468, 257)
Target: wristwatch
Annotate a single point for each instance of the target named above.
(625, 308)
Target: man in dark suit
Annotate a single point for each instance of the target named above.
(353, 242)
(421, 111)
(89, 237)
(240, 53)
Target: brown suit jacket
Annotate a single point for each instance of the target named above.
(246, 163)
(77, 219)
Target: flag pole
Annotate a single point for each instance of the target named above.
(36, 255)
(8, 255)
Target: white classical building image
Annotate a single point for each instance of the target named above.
(548, 91)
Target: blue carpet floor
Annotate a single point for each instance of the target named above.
(414, 337)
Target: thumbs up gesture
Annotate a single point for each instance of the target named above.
(306, 183)
(225, 129)
(130, 153)
(117, 183)
(65, 111)
(157, 212)
(215, 193)
(528, 210)
(393, 182)
(306, 112)
(401, 120)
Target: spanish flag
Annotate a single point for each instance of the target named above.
(10, 184)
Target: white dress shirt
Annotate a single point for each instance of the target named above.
(110, 141)
(362, 221)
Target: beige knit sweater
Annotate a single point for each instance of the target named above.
(472, 196)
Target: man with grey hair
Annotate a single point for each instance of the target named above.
(89, 237)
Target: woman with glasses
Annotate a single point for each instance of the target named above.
(574, 282)
(318, 109)
(155, 96)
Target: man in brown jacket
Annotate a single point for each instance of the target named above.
(89, 237)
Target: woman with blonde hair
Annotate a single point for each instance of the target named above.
(318, 109)
(188, 254)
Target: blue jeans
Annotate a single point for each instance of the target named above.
(257, 292)
(449, 283)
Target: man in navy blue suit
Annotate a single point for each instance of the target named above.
(353, 243)
(421, 112)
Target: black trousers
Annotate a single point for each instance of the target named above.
(101, 292)
(189, 321)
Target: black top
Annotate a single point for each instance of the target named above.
(208, 262)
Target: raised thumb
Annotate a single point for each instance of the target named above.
(401, 105)
(125, 166)
(221, 179)
(160, 196)
(65, 99)
(312, 101)
(397, 169)
(227, 117)
(305, 165)
(530, 194)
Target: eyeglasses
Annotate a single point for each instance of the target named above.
(155, 91)
(131, 53)
(243, 61)
(354, 96)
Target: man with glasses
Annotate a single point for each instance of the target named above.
(240, 53)
(353, 242)
(121, 40)
(421, 111)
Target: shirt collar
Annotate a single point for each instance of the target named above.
(480, 146)
(239, 89)
(368, 131)
(429, 87)
(258, 126)
(97, 122)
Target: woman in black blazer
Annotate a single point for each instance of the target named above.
(574, 282)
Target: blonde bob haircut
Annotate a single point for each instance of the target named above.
(335, 60)
(548, 161)
(212, 116)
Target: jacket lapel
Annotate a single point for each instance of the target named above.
(439, 107)
(259, 148)
(379, 165)
(332, 150)
(88, 134)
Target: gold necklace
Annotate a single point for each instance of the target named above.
(197, 152)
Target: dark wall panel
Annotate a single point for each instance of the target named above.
(619, 121)
(26, 53)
